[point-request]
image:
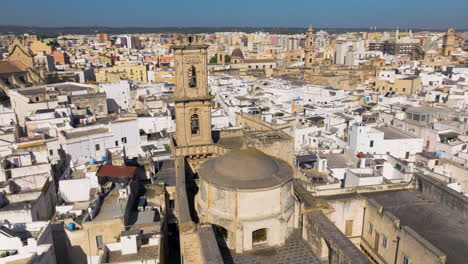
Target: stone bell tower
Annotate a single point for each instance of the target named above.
(309, 48)
(191, 97)
(448, 42)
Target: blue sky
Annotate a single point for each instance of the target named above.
(429, 14)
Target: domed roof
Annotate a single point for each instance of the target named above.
(246, 169)
(237, 53)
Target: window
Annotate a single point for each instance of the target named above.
(192, 77)
(124, 140)
(371, 227)
(195, 124)
(97, 147)
(116, 143)
(384, 241)
(51, 152)
(407, 155)
(406, 260)
(99, 242)
(100, 108)
(349, 228)
(371, 144)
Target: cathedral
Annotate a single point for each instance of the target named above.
(245, 193)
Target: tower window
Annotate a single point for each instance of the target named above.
(195, 124)
(192, 77)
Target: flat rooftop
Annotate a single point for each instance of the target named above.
(445, 229)
(294, 251)
(110, 208)
(85, 133)
(338, 161)
(143, 254)
(391, 133)
(166, 173)
(62, 88)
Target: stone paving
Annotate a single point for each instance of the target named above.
(295, 251)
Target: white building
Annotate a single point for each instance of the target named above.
(383, 140)
(118, 95)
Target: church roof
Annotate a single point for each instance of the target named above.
(8, 67)
(247, 168)
(237, 53)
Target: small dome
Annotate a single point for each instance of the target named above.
(237, 53)
(246, 169)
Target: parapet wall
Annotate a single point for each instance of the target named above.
(327, 241)
(437, 191)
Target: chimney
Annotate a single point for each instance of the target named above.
(362, 163)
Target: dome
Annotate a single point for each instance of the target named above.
(246, 169)
(237, 53)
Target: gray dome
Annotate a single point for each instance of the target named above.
(237, 53)
(246, 169)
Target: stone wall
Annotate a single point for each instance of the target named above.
(328, 242)
(95, 102)
(321, 234)
(386, 226)
(436, 190)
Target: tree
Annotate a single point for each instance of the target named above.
(214, 60)
(227, 59)
(265, 109)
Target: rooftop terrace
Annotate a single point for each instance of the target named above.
(294, 251)
(445, 229)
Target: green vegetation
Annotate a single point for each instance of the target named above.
(167, 147)
(53, 43)
(279, 114)
(265, 109)
(214, 60)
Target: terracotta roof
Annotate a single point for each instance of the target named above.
(116, 171)
(8, 67)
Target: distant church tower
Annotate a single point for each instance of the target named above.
(191, 97)
(309, 48)
(449, 41)
(220, 57)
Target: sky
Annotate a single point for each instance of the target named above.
(428, 14)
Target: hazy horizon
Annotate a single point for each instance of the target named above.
(424, 14)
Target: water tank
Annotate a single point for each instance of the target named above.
(92, 161)
(71, 226)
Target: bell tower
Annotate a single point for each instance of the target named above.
(191, 97)
(448, 42)
(309, 48)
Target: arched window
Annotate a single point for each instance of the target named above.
(195, 124)
(260, 236)
(192, 77)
